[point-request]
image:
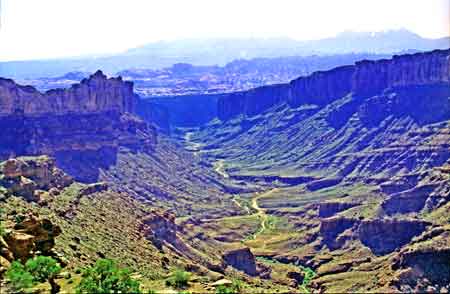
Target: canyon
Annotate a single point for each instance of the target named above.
(337, 181)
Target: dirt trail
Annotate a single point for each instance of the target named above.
(261, 212)
(219, 167)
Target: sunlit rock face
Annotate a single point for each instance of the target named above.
(83, 126)
(365, 78)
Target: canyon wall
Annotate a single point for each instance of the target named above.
(83, 127)
(365, 78)
(93, 95)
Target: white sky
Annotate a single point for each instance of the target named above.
(55, 28)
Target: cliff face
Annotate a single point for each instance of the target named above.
(363, 79)
(401, 71)
(92, 95)
(82, 126)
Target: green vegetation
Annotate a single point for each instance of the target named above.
(309, 274)
(179, 279)
(2, 229)
(44, 268)
(37, 270)
(19, 278)
(106, 277)
(236, 287)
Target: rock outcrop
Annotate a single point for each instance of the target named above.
(384, 236)
(93, 95)
(160, 228)
(241, 259)
(82, 127)
(327, 209)
(30, 177)
(331, 228)
(30, 236)
(363, 79)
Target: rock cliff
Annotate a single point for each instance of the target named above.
(82, 127)
(363, 78)
(93, 95)
(32, 177)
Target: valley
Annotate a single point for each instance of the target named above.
(337, 181)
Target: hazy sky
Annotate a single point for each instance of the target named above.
(54, 28)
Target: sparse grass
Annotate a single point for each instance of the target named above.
(179, 279)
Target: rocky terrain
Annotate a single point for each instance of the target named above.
(359, 156)
(338, 181)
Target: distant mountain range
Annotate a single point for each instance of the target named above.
(221, 51)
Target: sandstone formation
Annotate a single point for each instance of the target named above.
(93, 188)
(331, 228)
(30, 236)
(241, 259)
(327, 209)
(82, 127)
(160, 227)
(30, 177)
(384, 236)
(363, 78)
(93, 95)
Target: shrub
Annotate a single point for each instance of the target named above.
(39, 269)
(178, 279)
(19, 277)
(42, 268)
(234, 288)
(106, 277)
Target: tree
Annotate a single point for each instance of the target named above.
(19, 278)
(106, 277)
(44, 268)
(39, 269)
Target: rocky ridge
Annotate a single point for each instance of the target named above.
(86, 123)
(324, 87)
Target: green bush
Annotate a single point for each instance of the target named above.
(19, 278)
(42, 268)
(222, 289)
(39, 269)
(179, 279)
(106, 277)
(235, 288)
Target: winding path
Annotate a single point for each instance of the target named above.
(219, 167)
(261, 212)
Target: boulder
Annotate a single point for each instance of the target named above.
(20, 244)
(298, 277)
(30, 236)
(221, 282)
